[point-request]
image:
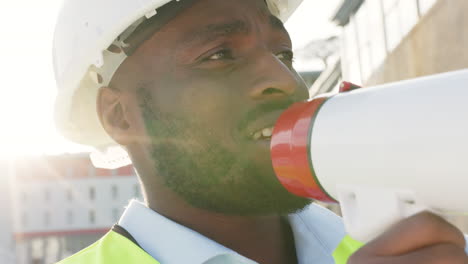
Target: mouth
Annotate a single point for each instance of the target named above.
(262, 128)
(259, 122)
(262, 134)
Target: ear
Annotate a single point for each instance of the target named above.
(111, 108)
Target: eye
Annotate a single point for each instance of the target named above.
(286, 56)
(220, 55)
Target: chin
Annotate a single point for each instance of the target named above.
(257, 204)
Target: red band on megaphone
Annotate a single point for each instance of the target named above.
(290, 150)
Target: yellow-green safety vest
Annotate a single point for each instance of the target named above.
(115, 248)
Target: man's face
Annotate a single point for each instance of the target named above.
(206, 83)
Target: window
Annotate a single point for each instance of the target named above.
(69, 172)
(24, 219)
(92, 216)
(37, 250)
(46, 195)
(115, 192)
(69, 194)
(47, 218)
(70, 217)
(115, 214)
(136, 190)
(91, 171)
(92, 193)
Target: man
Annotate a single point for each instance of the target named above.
(191, 92)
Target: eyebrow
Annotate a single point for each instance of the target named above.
(214, 31)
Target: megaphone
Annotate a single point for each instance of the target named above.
(384, 152)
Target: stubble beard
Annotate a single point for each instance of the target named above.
(209, 176)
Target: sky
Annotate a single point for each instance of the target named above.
(27, 81)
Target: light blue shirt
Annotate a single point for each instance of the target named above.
(317, 232)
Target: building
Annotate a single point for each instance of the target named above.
(63, 204)
(7, 243)
(309, 77)
(391, 40)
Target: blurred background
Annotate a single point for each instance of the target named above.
(54, 202)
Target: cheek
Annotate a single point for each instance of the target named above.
(213, 107)
(212, 104)
(207, 93)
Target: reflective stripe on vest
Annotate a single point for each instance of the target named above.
(345, 249)
(113, 248)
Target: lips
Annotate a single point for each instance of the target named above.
(263, 134)
(258, 122)
(262, 128)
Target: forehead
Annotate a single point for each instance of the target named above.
(204, 16)
(227, 7)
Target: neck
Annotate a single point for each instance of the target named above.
(265, 239)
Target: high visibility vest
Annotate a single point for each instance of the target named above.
(112, 248)
(115, 248)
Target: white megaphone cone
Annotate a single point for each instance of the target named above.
(384, 153)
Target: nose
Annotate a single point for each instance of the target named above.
(274, 79)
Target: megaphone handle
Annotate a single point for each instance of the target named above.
(368, 212)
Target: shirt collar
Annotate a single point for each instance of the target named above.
(163, 238)
(316, 231)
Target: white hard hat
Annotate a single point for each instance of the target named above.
(88, 49)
